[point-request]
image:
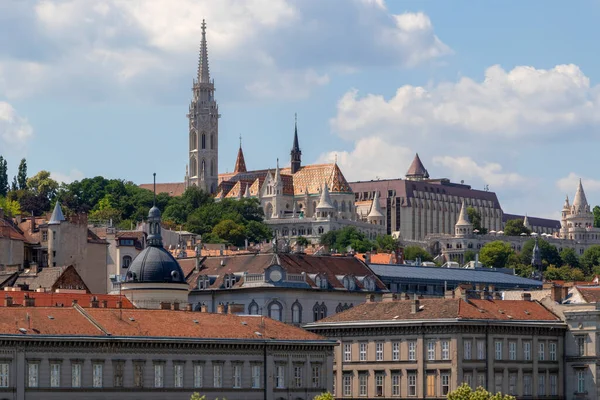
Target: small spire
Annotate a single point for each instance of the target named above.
(375, 212)
(203, 74)
(57, 215)
(240, 162)
(417, 170)
(154, 200)
(463, 217)
(277, 173)
(296, 153)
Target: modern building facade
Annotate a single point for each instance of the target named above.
(426, 348)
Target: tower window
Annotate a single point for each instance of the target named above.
(203, 141)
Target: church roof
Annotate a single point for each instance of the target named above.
(417, 169)
(240, 163)
(172, 189)
(57, 215)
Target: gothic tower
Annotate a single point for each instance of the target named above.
(203, 168)
(296, 154)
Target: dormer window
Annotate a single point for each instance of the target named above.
(321, 282)
(349, 282)
(229, 281)
(203, 282)
(369, 283)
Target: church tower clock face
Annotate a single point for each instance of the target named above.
(275, 275)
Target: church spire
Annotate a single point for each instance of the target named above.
(240, 163)
(203, 74)
(296, 153)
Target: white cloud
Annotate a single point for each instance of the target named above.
(371, 158)
(267, 48)
(568, 184)
(15, 131)
(519, 103)
(465, 168)
(71, 176)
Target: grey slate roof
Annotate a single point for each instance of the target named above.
(450, 275)
(57, 215)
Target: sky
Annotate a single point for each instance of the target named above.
(498, 94)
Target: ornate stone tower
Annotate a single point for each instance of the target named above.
(203, 167)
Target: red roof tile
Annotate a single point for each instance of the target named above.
(45, 321)
(172, 189)
(45, 299)
(10, 231)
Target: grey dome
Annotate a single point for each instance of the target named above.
(154, 212)
(155, 264)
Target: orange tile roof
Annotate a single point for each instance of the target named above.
(52, 299)
(436, 309)
(172, 189)
(45, 321)
(10, 231)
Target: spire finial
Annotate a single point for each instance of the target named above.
(240, 140)
(335, 159)
(203, 75)
(296, 119)
(154, 201)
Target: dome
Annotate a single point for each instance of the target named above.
(155, 264)
(154, 212)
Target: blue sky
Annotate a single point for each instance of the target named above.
(503, 94)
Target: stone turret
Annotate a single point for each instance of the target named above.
(324, 208)
(375, 215)
(463, 226)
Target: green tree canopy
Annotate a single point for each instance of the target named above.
(475, 218)
(11, 208)
(596, 211)
(590, 259)
(347, 237)
(43, 185)
(464, 392)
(548, 252)
(495, 254)
(324, 396)
(3, 177)
(22, 175)
(413, 252)
(515, 227)
(386, 243)
(569, 257)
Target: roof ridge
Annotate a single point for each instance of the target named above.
(90, 319)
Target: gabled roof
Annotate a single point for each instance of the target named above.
(52, 278)
(10, 231)
(590, 294)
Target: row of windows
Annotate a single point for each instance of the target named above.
(545, 352)
(543, 389)
(395, 354)
(397, 379)
(194, 141)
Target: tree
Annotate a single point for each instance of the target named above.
(569, 257)
(22, 175)
(347, 237)
(324, 396)
(230, 232)
(495, 254)
(515, 227)
(464, 392)
(590, 259)
(3, 177)
(475, 218)
(197, 396)
(11, 208)
(42, 184)
(414, 252)
(302, 241)
(548, 252)
(257, 232)
(469, 256)
(596, 212)
(386, 243)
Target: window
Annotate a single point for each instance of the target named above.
(395, 384)
(431, 350)
(126, 262)
(178, 375)
(498, 382)
(97, 375)
(468, 378)
(430, 384)
(203, 141)
(542, 351)
(316, 375)
(362, 383)
(296, 313)
(253, 308)
(217, 375)
(481, 380)
(198, 375)
(412, 350)
(256, 376)
(552, 349)
(237, 376)
(159, 375)
(55, 375)
(347, 385)
(412, 383)
(379, 384)
(553, 385)
(44, 236)
(118, 369)
(498, 347)
(445, 383)
(275, 311)
(396, 351)
(280, 377)
(581, 345)
(512, 350)
(467, 349)
(362, 354)
(32, 374)
(581, 381)
(527, 351)
(541, 384)
(512, 383)
(298, 375)
(379, 351)
(138, 375)
(481, 350)
(347, 351)
(527, 385)
(445, 350)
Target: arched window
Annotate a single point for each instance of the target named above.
(323, 311)
(212, 142)
(275, 310)
(253, 308)
(335, 205)
(194, 141)
(339, 308)
(320, 230)
(296, 313)
(343, 206)
(193, 167)
(316, 311)
(126, 262)
(203, 141)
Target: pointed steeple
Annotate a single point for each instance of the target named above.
(296, 153)
(57, 215)
(566, 206)
(417, 171)
(240, 163)
(375, 208)
(247, 192)
(325, 200)
(203, 74)
(154, 237)
(463, 217)
(526, 222)
(239, 193)
(463, 226)
(277, 178)
(580, 203)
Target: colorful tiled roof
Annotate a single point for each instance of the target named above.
(172, 189)
(240, 163)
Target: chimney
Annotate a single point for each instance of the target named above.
(497, 296)
(119, 304)
(188, 307)
(165, 305)
(175, 306)
(94, 303)
(449, 294)
(221, 308)
(367, 258)
(8, 301)
(526, 296)
(414, 306)
(370, 298)
(388, 297)
(203, 308)
(104, 303)
(28, 301)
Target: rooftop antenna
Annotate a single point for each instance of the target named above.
(154, 201)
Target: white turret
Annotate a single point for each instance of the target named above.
(324, 208)
(463, 226)
(375, 215)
